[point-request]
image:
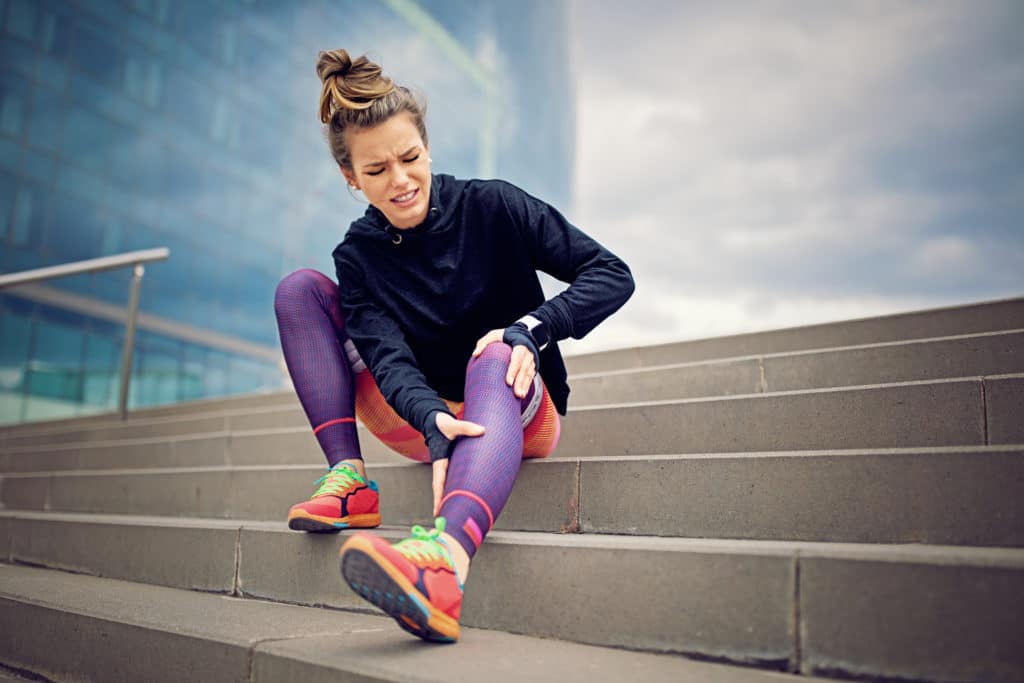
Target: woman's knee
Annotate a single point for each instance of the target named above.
(494, 358)
(499, 351)
(297, 286)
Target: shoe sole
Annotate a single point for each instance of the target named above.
(300, 520)
(379, 582)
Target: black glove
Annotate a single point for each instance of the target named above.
(517, 334)
(440, 445)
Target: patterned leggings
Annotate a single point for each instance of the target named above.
(335, 387)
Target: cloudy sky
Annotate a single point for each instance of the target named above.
(769, 164)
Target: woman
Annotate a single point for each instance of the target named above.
(438, 273)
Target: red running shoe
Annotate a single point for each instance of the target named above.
(344, 499)
(413, 581)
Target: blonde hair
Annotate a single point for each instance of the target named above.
(355, 94)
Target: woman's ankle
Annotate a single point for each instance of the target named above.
(356, 464)
(460, 558)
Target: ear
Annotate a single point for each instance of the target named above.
(350, 177)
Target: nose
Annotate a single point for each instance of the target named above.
(398, 176)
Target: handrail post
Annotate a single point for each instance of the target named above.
(129, 338)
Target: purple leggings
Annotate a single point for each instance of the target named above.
(482, 469)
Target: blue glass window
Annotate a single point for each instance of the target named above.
(55, 370)
(21, 19)
(102, 368)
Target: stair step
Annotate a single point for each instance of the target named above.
(991, 353)
(102, 626)
(949, 496)
(987, 354)
(970, 319)
(959, 412)
(741, 601)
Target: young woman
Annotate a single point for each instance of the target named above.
(437, 336)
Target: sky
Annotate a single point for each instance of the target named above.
(771, 164)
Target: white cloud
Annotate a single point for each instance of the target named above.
(778, 164)
(945, 256)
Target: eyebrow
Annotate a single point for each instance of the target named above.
(403, 154)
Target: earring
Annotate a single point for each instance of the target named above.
(429, 160)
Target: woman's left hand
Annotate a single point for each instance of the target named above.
(521, 368)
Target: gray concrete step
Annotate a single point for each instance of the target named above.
(975, 355)
(284, 414)
(121, 632)
(12, 676)
(993, 353)
(947, 496)
(973, 318)
(774, 604)
(967, 412)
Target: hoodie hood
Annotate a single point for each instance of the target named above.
(445, 192)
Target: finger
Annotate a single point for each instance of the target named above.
(489, 338)
(514, 364)
(524, 379)
(440, 474)
(466, 428)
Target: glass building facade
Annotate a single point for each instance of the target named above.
(192, 124)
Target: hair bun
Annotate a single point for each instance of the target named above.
(333, 63)
(349, 83)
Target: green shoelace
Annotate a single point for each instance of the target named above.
(426, 544)
(337, 481)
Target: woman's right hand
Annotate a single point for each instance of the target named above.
(451, 428)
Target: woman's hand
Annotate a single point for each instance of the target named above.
(521, 368)
(451, 428)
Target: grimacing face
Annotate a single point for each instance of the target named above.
(391, 165)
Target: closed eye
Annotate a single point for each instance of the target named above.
(407, 160)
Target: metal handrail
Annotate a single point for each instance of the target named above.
(135, 259)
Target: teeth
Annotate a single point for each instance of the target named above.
(405, 197)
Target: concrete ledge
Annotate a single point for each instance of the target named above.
(209, 449)
(1004, 403)
(973, 318)
(5, 539)
(693, 380)
(936, 496)
(944, 413)
(912, 414)
(947, 496)
(916, 620)
(102, 625)
(993, 353)
(546, 497)
(963, 356)
(714, 598)
(719, 602)
(180, 553)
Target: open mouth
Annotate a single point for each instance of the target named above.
(406, 199)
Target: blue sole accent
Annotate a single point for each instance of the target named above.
(419, 603)
(341, 525)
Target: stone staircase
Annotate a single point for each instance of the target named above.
(842, 501)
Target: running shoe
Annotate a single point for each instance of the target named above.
(413, 580)
(343, 499)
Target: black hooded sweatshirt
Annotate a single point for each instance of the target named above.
(416, 301)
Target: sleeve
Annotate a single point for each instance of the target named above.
(382, 346)
(599, 281)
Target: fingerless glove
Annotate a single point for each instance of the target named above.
(440, 446)
(517, 334)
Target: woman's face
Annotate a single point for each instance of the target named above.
(391, 165)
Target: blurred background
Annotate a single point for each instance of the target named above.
(758, 164)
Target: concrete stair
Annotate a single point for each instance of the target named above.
(846, 510)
